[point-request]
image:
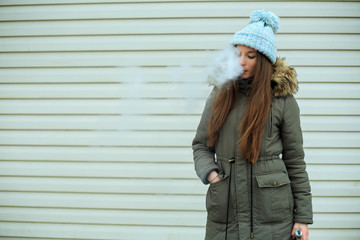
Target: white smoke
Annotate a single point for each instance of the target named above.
(226, 66)
(133, 82)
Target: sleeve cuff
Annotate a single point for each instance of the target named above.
(206, 174)
(303, 220)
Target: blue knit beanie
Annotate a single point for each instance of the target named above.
(260, 33)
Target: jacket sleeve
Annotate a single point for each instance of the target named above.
(204, 157)
(293, 157)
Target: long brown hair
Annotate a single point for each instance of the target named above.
(253, 123)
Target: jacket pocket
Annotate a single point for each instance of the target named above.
(216, 200)
(275, 202)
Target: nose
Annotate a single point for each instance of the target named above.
(242, 61)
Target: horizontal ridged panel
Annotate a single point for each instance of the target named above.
(115, 232)
(88, 232)
(146, 218)
(157, 106)
(164, 58)
(149, 138)
(170, 42)
(157, 90)
(173, 26)
(158, 75)
(176, 10)
(146, 154)
(148, 186)
(148, 170)
(146, 202)
(114, 217)
(154, 123)
(49, 2)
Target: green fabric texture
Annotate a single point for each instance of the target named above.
(265, 198)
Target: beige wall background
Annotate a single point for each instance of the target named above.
(99, 102)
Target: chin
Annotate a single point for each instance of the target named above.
(247, 75)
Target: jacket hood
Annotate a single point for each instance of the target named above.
(283, 80)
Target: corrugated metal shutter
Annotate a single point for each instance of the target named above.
(100, 101)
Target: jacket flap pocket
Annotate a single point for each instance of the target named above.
(273, 180)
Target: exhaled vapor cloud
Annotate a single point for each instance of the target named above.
(226, 66)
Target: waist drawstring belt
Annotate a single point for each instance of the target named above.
(231, 161)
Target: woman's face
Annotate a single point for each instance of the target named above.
(247, 57)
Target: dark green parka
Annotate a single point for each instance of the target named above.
(267, 197)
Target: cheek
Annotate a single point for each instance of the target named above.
(253, 67)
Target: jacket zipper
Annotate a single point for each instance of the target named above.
(231, 161)
(271, 112)
(251, 203)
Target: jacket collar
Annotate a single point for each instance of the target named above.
(283, 80)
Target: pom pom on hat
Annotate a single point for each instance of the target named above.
(259, 33)
(269, 19)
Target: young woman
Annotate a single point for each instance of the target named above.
(249, 145)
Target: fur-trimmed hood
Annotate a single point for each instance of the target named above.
(283, 80)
